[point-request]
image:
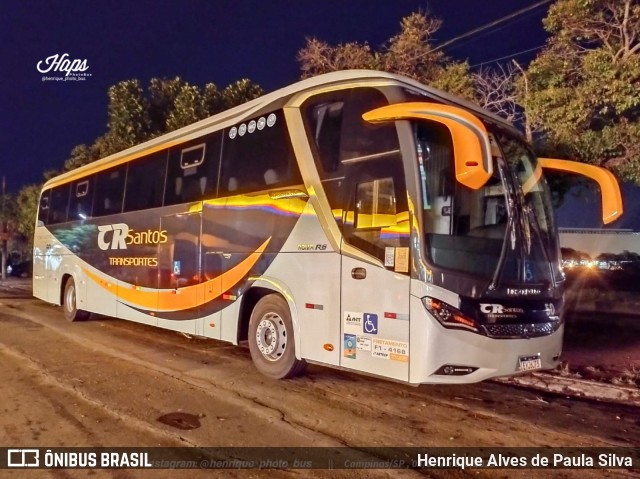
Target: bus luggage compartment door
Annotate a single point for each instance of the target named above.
(180, 294)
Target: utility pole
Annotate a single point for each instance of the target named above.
(4, 233)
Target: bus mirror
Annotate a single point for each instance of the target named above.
(471, 147)
(609, 187)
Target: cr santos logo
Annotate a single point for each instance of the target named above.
(113, 236)
(119, 235)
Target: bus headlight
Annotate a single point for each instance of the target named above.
(449, 316)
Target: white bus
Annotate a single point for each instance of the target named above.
(358, 220)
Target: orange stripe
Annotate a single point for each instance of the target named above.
(181, 298)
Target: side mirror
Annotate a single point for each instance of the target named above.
(609, 187)
(471, 146)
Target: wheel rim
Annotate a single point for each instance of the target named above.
(271, 336)
(70, 298)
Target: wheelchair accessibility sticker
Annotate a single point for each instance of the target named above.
(370, 323)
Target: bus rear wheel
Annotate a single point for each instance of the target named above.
(271, 339)
(69, 303)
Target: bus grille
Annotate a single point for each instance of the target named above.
(528, 330)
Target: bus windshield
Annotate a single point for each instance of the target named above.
(503, 232)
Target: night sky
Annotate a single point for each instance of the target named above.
(200, 41)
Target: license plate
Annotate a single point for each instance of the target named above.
(529, 363)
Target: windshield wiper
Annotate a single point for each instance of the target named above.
(510, 232)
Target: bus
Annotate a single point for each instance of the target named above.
(358, 220)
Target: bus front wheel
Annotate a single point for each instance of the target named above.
(271, 339)
(69, 303)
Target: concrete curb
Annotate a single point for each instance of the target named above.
(577, 387)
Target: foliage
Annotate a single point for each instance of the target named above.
(188, 107)
(240, 92)
(584, 87)
(26, 210)
(134, 116)
(408, 53)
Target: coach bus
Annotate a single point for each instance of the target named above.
(358, 220)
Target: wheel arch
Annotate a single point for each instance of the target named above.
(74, 271)
(63, 284)
(261, 288)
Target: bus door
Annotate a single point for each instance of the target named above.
(180, 292)
(375, 277)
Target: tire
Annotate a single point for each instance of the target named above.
(69, 303)
(271, 339)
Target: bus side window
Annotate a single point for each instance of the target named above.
(58, 204)
(192, 174)
(326, 125)
(43, 209)
(338, 135)
(81, 200)
(258, 156)
(435, 159)
(145, 182)
(109, 193)
(377, 215)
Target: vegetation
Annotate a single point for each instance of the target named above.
(135, 116)
(583, 89)
(579, 98)
(409, 53)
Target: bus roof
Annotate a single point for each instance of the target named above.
(278, 98)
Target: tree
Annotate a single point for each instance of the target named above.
(495, 90)
(136, 115)
(408, 53)
(240, 92)
(7, 207)
(213, 99)
(583, 90)
(26, 211)
(162, 95)
(188, 107)
(81, 155)
(128, 116)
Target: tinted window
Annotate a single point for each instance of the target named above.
(193, 170)
(257, 155)
(58, 204)
(375, 204)
(43, 209)
(109, 191)
(145, 182)
(81, 199)
(376, 219)
(338, 135)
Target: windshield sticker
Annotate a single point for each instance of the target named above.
(389, 256)
(402, 260)
(350, 346)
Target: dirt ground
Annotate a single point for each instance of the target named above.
(603, 347)
(107, 382)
